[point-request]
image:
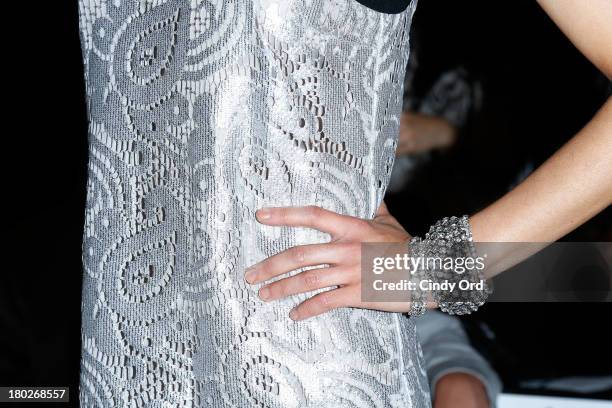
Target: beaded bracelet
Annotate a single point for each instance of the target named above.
(450, 238)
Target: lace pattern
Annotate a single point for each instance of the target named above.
(201, 112)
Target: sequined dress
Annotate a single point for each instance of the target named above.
(201, 112)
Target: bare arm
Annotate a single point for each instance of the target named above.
(588, 25)
(576, 182)
(569, 188)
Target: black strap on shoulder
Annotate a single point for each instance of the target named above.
(386, 6)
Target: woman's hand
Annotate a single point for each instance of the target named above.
(342, 254)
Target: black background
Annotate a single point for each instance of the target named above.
(538, 92)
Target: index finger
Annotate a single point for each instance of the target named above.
(308, 216)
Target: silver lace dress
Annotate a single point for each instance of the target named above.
(201, 112)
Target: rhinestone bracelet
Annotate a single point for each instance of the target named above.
(450, 237)
(418, 306)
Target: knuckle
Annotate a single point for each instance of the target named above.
(362, 224)
(298, 254)
(313, 211)
(356, 228)
(311, 280)
(326, 300)
(278, 290)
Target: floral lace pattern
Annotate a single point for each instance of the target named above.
(201, 112)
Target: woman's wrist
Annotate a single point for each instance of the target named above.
(483, 228)
(449, 239)
(498, 240)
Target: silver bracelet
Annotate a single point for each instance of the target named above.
(451, 238)
(418, 306)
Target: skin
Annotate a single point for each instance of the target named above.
(421, 133)
(568, 189)
(460, 390)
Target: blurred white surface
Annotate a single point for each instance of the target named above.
(531, 401)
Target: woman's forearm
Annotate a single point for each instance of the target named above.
(569, 188)
(576, 182)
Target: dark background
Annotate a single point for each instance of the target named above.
(538, 91)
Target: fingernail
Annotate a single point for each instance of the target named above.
(264, 293)
(294, 315)
(263, 214)
(250, 275)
